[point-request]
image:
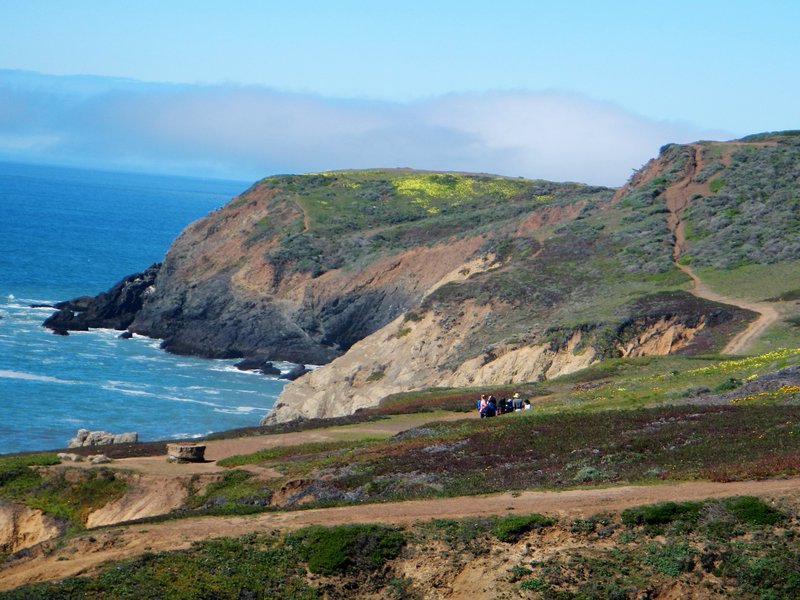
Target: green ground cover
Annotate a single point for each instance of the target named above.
(753, 282)
(67, 498)
(623, 420)
(729, 547)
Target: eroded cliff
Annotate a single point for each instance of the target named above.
(398, 280)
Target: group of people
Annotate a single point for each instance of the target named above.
(489, 406)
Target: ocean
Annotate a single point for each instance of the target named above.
(66, 233)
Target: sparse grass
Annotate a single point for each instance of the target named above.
(70, 499)
(314, 449)
(236, 493)
(752, 282)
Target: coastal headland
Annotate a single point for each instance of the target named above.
(653, 330)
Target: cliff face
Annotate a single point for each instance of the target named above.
(300, 268)
(608, 280)
(398, 280)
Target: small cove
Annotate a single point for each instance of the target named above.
(69, 232)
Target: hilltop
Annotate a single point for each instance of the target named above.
(407, 280)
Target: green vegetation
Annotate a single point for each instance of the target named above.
(753, 511)
(512, 528)
(753, 282)
(666, 548)
(598, 270)
(753, 213)
(344, 218)
(66, 497)
(680, 543)
(235, 493)
(257, 567)
(662, 514)
(619, 421)
(347, 548)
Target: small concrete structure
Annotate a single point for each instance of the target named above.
(186, 453)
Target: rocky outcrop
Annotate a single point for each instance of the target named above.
(305, 319)
(260, 364)
(84, 437)
(114, 309)
(411, 355)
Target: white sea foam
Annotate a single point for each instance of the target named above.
(238, 410)
(147, 358)
(188, 436)
(33, 377)
(143, 393)
(228, 369)
(204, 390)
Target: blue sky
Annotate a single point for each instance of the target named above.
(570, 90)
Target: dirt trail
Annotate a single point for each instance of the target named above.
(83, 555)
(678, 196)
(218, 449)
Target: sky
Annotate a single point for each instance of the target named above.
(575, 90)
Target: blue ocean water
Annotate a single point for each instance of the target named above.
(66, 233)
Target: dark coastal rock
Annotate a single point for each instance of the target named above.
(114, 309)
(296, 372)
(226, 290)
(211, 320)
(260, 364)
(125, 335)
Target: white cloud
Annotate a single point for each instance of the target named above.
(250, 132)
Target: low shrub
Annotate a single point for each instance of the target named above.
(731, 383)
(662, 514)
(513, 527)
(670, 559)
(753, 511)
(347, 548)
(535, 584)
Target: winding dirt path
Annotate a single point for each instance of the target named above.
(678, 197)
(85, 554)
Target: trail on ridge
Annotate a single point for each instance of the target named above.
(678, 197)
